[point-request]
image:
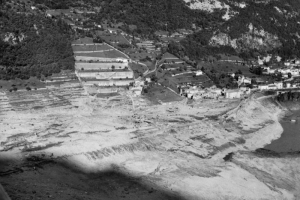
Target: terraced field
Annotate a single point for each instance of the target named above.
(95, 47)
(39, 99)
(105, 54)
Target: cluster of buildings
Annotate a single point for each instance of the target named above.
(285, 71)
(213, 92)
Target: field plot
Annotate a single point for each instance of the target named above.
(227, 67)
(20, 84)
(96, 47)
(190, 78)
(141, 55)
(137, 69)
(119, 39)
(39, 99)
(157, 94)
(104, 54)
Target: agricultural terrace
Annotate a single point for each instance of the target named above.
(190, 77)
(169, 58)
(95, 47)
(140, 55)
(176, 68)
(137, 69)
(39, 99)
(85, 40)
(157, 93)
(21, 84)
(227, 67)
(105, 54)
(114, 39)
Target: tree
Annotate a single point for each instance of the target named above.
(113, 68)
(239, 72)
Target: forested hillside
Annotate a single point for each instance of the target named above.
(152, 15)
(33, 45)
(275, 25)
(257, 28)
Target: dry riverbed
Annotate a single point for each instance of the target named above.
(166, 151)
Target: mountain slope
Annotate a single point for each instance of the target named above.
(33, 45)
(263, 27)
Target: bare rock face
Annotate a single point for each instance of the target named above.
(253, 39)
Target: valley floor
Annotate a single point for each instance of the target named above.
(169, 150)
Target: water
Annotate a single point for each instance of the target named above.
(290, 138)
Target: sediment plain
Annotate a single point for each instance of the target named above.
(175, 150)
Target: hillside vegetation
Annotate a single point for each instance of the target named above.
(153, 15)
(33, 45)
(256, 28)
(244, 28)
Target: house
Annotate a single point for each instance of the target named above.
(233, 94)
(262, 60)
(285, 71)
(245, 90)
(231, 74)
(272, 87)
(263, 87)
(242, 79)
(295, 72)
(287, 84)
(279, 85)
(137, 90)
(199, 72)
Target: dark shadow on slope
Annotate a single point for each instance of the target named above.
(37, 178)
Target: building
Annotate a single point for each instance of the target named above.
(263, 87)
(233, 94)
(245, 90)
(272, 87)
(137, 90)
(199, 73)
(279, 85)
(244, 80)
